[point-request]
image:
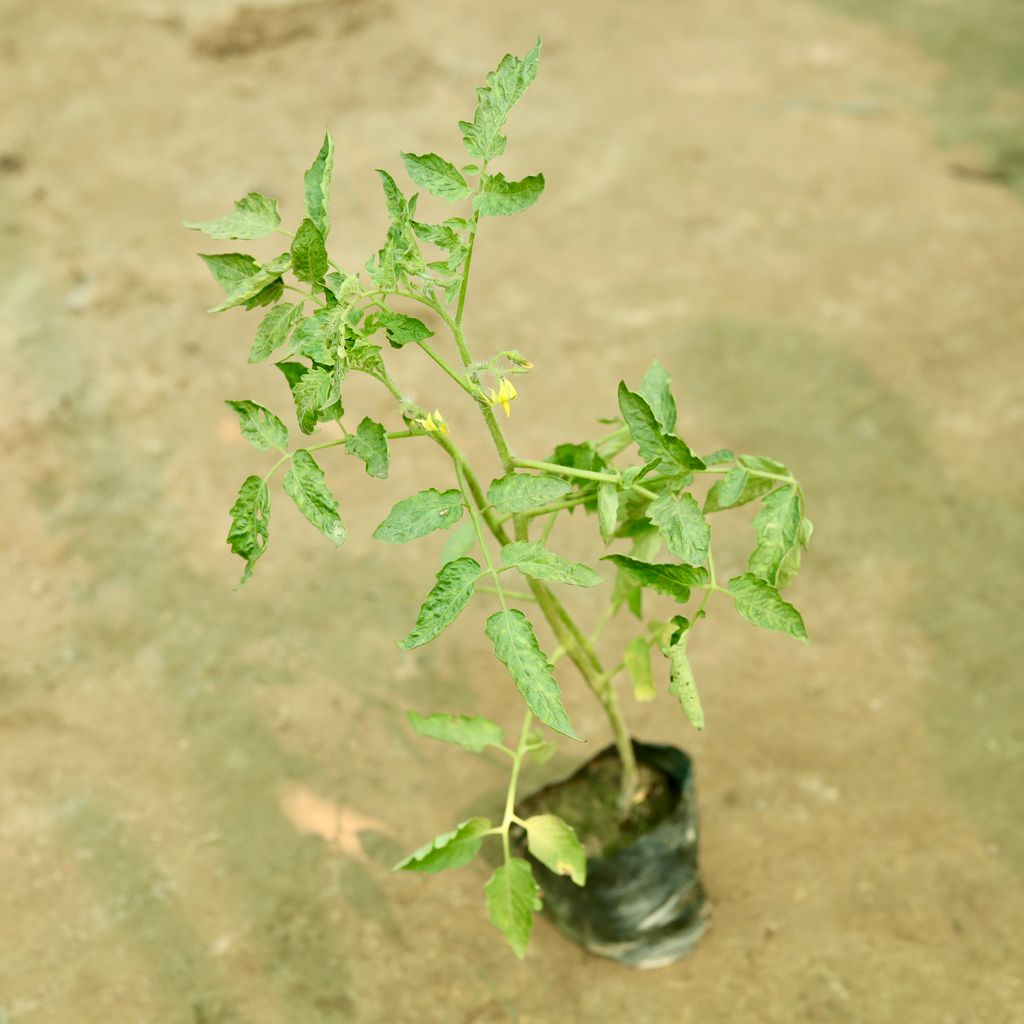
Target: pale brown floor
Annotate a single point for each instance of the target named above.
(751, 192)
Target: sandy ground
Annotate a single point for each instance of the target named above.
(203, 790)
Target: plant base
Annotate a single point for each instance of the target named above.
(644, 903)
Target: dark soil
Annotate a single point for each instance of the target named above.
(589, 801)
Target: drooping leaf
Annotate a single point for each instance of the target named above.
(637, 659)
(399, 328)
(419, 515)
(250, 522)
(505, 85)
(449, 595)
(520, 492)
(512, 898)
(304, 483)
(260, 427)
(535, 560)
(370, 443)
(312, 392)
(656, 387)
(254, 216)
(469, 731)
(666, 578)
(555, 845)
(682, 526)
(682, 683)
(436, 175)
(246, 282)
(777, 527)
(628, 590)
(450, 850)
(761, 604)
(517, 649)
(501, 198)
(736, 488)
(607, 510)
(309, 255)
(273, 331)
(317, 187)
(651, 439)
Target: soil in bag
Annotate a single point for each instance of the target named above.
(643, 903)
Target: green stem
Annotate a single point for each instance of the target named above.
(510, 796)
(582, 654)
(467, 497)
(450, 370)
(583, 474)
(465, 267)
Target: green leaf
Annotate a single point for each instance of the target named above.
(653, 442)
(304, 483)
(399, 328)
(436, 175)
(512, 898)
(517, 649)
(505, 85)
(366, 357)
(555, 845)
(451, 850)
(309, 255)
(449, 595)
(682, 526)
(777, 527)
(736, 488)
(370, 443)
(419, 515)
(500, 198)
(520, 492)
(534, 560)
(460, 542)
(666, 578)
(318, 336)
(607, 510)
(250, 523)
(398, 208)
(681, 680)
(656, 387)
(719, 457)
(637, 659)
(313, 392)
(317, 187)
(761, 604)
(245, 281)
(437, 234)
(254, 216)
(470, 731)
(273, 331)
(230, 269)
(763, 465)
(260, 427)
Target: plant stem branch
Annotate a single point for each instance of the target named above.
(510, 796)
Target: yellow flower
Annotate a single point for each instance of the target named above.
(504, 395)
(434, 423)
